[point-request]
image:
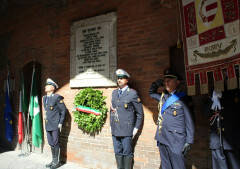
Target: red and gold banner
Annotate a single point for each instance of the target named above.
(218, 80)
(191, 83)
(203, 82)
(239, 74)
(232, 79)
(211, 37)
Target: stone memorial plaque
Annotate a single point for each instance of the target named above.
(93, 56)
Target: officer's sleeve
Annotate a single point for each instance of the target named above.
(111, 105)
(189, 125)
(62, 108)
(139, 110)
(43, 102)
(153, 89)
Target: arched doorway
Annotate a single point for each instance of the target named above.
(27, 74)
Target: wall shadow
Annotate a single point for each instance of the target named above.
(63, 138)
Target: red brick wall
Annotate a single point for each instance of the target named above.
(145, 31)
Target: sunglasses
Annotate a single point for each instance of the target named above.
(122, 77)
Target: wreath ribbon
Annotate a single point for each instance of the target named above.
(88, 110)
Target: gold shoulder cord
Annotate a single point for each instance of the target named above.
(160, 119)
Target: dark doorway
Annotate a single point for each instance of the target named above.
(27, 73)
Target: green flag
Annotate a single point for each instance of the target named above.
(34, 111)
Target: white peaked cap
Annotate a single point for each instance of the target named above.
(51, 82)
(121, 72)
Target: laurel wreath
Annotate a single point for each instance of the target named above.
(218, 53)
(91, 100)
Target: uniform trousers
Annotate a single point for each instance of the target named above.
(123, 146)
(227, 160)
(169, 159)
(53, 137)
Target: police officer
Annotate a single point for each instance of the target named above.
(126, 116)
(224, 135)
(55, 113)
(175, 131)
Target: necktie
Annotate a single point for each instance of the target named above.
(119, 93)
(47, 99)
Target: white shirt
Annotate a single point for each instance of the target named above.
(123, 89)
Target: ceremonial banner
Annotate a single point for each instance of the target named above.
(210, 35)
(203, 82)
(239, 74)
(218, 80)
(191, 83)
(232, 79)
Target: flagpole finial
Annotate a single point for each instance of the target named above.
(34, 61)
(8, 65)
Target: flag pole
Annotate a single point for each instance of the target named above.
(26, 131)
(22, 102)
(28, 125)
(8, 82)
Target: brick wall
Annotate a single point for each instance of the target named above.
(145, 31)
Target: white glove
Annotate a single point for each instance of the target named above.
(135, 130)
(186, 148)
(60, 127)
(113, 109)
(216, 102)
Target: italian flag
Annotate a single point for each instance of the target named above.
(34, 111)
(20, 120)
(22, 110)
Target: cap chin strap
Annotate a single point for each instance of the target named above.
(171, 76)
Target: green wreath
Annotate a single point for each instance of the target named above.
(90, 110)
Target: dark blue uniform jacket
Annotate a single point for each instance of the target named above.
(129, 110)
(177, 125)
(55, 111)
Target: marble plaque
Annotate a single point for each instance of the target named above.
(93, 56)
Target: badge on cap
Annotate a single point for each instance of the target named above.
(61, 101)
(174, 112)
